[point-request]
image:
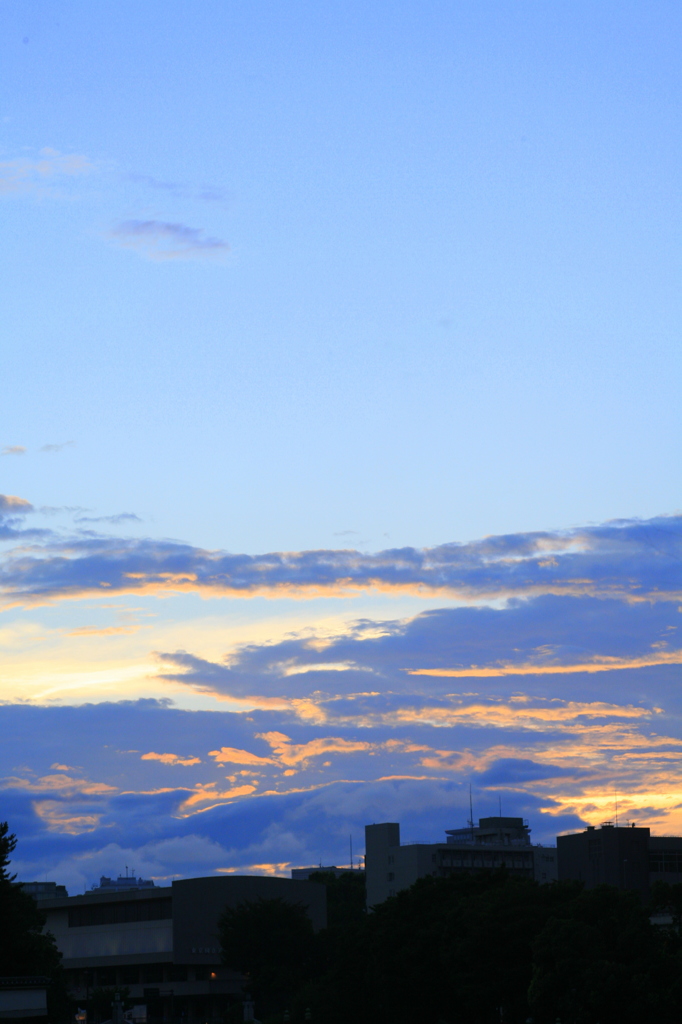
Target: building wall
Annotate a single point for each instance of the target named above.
(545, 864)
(625, 857)
(391, 867)
(110, 940)
(199, 902)
(23, 1002)
(186, 934)
(606, 856)
(381, 842)
(171, 962)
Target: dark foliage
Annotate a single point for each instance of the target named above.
(24, 949)
(475, 949)
(271, 943)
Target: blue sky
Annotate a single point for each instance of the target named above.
(332, 335)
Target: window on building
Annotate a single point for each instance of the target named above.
(391, 876)
(124, 912)
(666, 861)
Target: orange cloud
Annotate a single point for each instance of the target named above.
(517, 713)
(58, 819)
(170, 758)
(296, 753)
(59, 783)
(208, 794)
(600, 664)
(280, 868)
(102, 630)
(233, 755)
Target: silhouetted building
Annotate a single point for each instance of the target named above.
(162, 943)
(493, 843)
(625, 856)
(124, 883)
(44, 890)
(305, 873)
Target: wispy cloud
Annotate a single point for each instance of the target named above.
(161, 240)
(102, 630)
(13, 449)
(40, 176)
(54, 448)
(115, 520)
(183, 190)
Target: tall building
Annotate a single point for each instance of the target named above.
(495, 842)
(624, 856)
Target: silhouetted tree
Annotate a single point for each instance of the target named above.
(271, 943)
(599, 960)
(24, 948)
(470, 949)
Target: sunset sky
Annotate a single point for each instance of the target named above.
(340, 426)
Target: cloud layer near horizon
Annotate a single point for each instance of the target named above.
(561, 693)
(628, 559)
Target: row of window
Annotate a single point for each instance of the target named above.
(121, 913)
(665, 862)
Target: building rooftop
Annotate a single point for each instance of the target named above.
(124, 883)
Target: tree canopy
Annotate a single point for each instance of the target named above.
(24, 948)
(470, 949)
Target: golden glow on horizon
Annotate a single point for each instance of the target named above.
(600, 664)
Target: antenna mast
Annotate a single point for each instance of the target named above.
(350, 837)
(471, 813)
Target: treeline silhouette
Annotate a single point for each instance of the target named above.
(24, 948)
(470, 949)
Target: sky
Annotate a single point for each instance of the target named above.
(339, 426)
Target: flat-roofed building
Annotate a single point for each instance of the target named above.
(305, 873)
(44, 890)
(494, 843)
(162, 942)
(625, 856)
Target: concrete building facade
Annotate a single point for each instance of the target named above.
(493, 843)
(626, 857)
(162, 943)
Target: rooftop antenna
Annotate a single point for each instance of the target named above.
(499, 799)
(471, 812)
(126, 870)
(615, 796)
(350, 839)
